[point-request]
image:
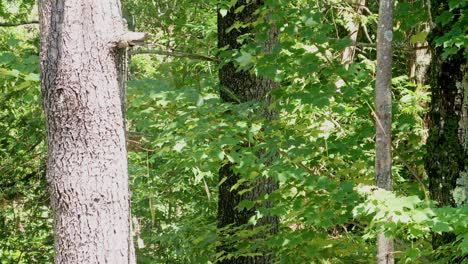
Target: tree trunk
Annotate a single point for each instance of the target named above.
(238, 87)
(383, 109)
(353, 28)
(446, 146)
(419, 64)
(87, 162)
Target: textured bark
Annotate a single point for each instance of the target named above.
(87, 163)
(446, 154)
(353, 28)
(419, 64)
(241, 86)
(383, 109)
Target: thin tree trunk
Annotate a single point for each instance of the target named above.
(447, 150)
(241, 86)
(353, 28)
(87, 162)
(383, 109)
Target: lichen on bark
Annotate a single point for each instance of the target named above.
(446, 158)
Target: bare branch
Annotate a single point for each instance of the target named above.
(396, 46)
(403, 47)
(130, 39)
(175, 54)
(16, 24)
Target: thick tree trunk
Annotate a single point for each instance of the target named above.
(419, 64)
(87, 163)
(383, 109)
(446, 146)
(241, 86)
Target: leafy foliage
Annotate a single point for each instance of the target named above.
(25, 218)
(320, 148)
(455, 19)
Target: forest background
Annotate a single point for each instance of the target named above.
(319, 148)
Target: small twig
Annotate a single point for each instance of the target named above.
(176, 54)
(137, 145)
(333, 66)
(15, 24)
(334, 23)
(417, 177)
(405, 245)
(309, 170)
(365, 8)
(207, 189)
(373, 45)
(431, 21)
(364, 28)
(377, 119)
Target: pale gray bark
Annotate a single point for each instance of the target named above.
(420, 60)
(419, 65)
(87, 163)
(353, 28)
(383, 109)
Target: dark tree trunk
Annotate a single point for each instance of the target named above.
(446, 156)
(238, 87)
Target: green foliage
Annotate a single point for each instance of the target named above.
(411, 219)
(25, 220)
(454, 19)
(319, 148)
(16, 10)
(322, 142)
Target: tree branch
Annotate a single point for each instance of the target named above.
(175, 54)
(16, 24)
(130, 39)
(402, 47)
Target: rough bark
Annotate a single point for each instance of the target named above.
(87, 163)
(419, 64)
(446, 153)
(383, 109)
(237, 87)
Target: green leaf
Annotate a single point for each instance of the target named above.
(223, 12)
(245, 59)
(445, 18)
(6, 72)
(239, 9)
(464, 244)
(220, 155)
(32, 77)
(412, 254)
(453, 4)
(420, 37)
(440, 227)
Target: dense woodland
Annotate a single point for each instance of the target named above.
(233, 131)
